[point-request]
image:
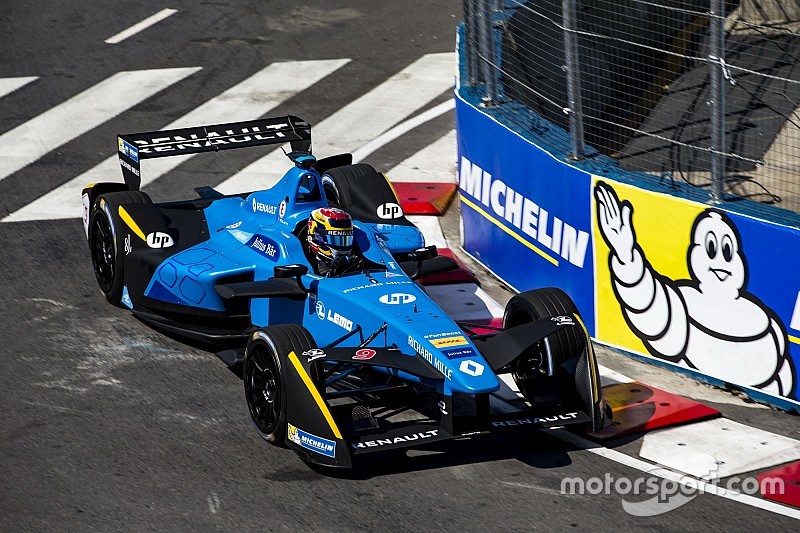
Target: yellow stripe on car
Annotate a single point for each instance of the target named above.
(131, 223)
(314, 393)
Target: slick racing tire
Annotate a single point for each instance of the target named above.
(336, 183)
(265, 379)
(106, 243)
(565, 344)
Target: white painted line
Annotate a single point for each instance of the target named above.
(464, 301)
(250, 99)
(139, 26)
(718, 448)
(654, 470)
(612, 377)
(434, 163)
(60, 124)
(403, 128)
(360, 121)
(9, 85)
(430, 228)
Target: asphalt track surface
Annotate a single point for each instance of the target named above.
(108, 425)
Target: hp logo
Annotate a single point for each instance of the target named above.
(389, 211)
(397, 298)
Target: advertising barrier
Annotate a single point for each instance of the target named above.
(693, 286)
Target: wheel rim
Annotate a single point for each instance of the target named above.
(103, 252)
(263, 390)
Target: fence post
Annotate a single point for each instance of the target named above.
(471, 41)
(486, 49)
(575, 109)
(716, 62)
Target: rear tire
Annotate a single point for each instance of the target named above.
(264, 376)
(106, 242)
(531, 306)
(336, 183)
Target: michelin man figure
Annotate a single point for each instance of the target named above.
(709, 323)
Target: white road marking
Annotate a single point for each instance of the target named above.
(213, 503)
(402, 129)
(139, 26)
(360, 121)
(430, 228)
(434, 163)
(718, 448)
(250, 99)
(58, 125)
(9, 85)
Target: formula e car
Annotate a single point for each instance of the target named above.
(333, 366)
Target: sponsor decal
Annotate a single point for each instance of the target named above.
(241, 236)
(375, 283)
(389, 211)
(537, 223)
(563, 320)
(282, 210)
(86, 206)
(320, 307)
(243, 134)
(428, 356)
(126, 298)
(397, 298)
(312, 442)
(128, 149)
(259, 207)
(364, 354)
(234, 225)
(472, 368)
(340, 321)
(265, 246)
(128, 247)
(314, 354)
(159, 240)
(531, 421)
(459, 353)
(450, 342)
(442, 407)
(127, 166)
(397, 440)
(440, 335)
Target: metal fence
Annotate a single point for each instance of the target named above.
(700, 91)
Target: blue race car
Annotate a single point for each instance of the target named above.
(310, 290)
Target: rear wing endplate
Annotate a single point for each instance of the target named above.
(133, 147)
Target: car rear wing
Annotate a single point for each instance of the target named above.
(133, 147)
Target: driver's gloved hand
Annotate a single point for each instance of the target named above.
(339, 265)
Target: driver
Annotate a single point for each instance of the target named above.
(330, 241)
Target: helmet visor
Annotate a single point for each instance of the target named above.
(337, 239)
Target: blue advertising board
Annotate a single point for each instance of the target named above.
(526, 215)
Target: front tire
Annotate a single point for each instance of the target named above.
(264, 376)
(530, 370)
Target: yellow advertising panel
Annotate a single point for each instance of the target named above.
(662, 227)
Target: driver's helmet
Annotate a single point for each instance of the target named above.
(330, 233)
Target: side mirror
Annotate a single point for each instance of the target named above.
(423, 254)
(292, 271)
(419, 256)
